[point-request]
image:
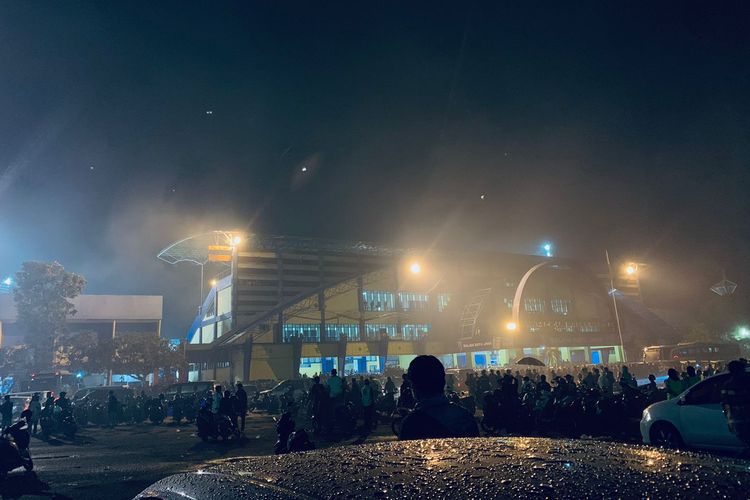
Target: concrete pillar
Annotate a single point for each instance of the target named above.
(114, 332)
(587, 354)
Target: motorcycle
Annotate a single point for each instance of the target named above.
(213, 426)
(14, 449)
(299, 441)
(58, 420)
(66, 423)
(156, 413)
(177, 411)
(284, 430)
(190, 411)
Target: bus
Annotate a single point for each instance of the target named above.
(692, 352)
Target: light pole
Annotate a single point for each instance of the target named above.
(614, 303)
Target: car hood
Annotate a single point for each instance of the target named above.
(661, 405)
(460, 468)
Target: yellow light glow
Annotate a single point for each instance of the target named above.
(631, 269)
(236, 240)
(213, 282)
(415, 268)
(511, 326)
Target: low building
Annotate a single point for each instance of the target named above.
(104, 314)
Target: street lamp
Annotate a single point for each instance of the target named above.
(236, 240)
(511, 326)
(415, 268)
(631, 269)
(547, 247)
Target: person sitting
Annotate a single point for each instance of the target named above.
(434, 416)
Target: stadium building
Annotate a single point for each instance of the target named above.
(286, 306)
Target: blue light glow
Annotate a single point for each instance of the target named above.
(547, 249)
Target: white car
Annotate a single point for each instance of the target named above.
(693, 419)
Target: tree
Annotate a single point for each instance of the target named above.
(88, 352)
(15, 360)
(139, 354)
(41, 295)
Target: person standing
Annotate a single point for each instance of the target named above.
(6, 412)
(35, 406)
(113, 407)
(692, 377)
(335, 389)
(735, 401)
(390, 390)
(674, 384)
(368, 404)
(216, 401)
(241, 400)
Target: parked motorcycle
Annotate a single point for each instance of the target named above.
(299, 441)
(58, 421)
(284, 429)
(156, 413)
(213, 426)
(14, 449)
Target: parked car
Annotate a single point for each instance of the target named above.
(297, 386)
(463, 468)
(101, 394)
(198, 388)
(693, 419)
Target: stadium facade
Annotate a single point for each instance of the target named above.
(287, 306)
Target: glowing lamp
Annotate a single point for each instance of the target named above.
(415, 268)
(511, 326)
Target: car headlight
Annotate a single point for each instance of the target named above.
(646, 416)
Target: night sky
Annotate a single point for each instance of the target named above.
(618, 125)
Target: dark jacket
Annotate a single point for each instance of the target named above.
(436, 417)
(241, 396)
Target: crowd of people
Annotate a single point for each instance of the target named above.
(435, 404)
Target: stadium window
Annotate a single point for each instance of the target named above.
(414, 332)
(309, 332)
(443, 299)
(373, 330)
(588, 327)
(334, 331)
(378, 301)
(413, 301)
(533, 305)
(560, 306)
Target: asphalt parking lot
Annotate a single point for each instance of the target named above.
(119, 463)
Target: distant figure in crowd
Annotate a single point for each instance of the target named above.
(735, 400)
(335, 389)
(674, 384)
(113, 407)
(434, 416)
(226, 406)
(35, 406)
(216, 401)
(241, 403)
(368, 404)
(6, 412)
(692, 377)
(62, 401)
(406, 393)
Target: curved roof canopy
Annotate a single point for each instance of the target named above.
(194, 248)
